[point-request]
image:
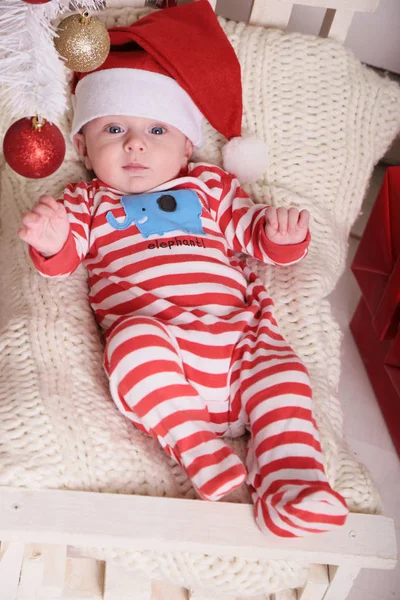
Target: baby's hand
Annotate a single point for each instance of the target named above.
(46, 226)
(286, 226)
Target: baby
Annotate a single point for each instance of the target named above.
(193, 352)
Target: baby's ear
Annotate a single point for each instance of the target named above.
(188, 150)
(80, 145)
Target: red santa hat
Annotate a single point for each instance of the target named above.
(176, 66)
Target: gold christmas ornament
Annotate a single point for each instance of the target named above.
(83, 42)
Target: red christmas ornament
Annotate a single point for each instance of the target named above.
(36, 1)
(34, 148)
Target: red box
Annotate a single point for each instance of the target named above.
(375, 324)
(384, 378)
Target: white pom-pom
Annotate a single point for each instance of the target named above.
(245, 157)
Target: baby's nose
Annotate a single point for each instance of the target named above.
(134, 142)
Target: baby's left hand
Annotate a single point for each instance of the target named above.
(286, 226)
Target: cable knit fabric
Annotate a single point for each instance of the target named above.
(327, 120)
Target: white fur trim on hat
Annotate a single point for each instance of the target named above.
(245, 157)
(136, 93)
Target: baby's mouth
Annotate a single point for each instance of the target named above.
(134, 166)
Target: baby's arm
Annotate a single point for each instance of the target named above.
(46, 226)
(258, 230)
(58, 232)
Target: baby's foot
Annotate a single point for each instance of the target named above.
(214, 469)
(299, 510)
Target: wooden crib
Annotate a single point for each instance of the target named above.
(41, 530)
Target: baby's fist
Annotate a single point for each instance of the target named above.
(46, 226)
(286, 226)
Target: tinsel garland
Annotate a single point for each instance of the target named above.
(32, 75)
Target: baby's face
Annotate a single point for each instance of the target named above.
(133, 154)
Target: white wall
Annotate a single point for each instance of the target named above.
(373, 37)
(238, 10)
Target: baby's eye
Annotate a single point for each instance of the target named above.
(157, 130)
(114, 129)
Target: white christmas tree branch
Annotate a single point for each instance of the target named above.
(33, 78)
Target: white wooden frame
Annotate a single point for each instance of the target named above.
(42, 531)
(45, 528)
(336, 23)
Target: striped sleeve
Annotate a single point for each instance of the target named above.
(78, 204)
(242, 221)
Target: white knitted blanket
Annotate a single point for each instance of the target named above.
(327, 120)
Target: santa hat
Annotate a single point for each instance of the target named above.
(176, 66)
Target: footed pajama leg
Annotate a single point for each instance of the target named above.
(291, 494)
(148, 385)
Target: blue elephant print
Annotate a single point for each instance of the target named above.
(161, 212)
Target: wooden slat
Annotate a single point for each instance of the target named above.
(337, 21)
(172, 524)
(356, 5)
(55, 562)
(262, 597)
(341, 579)
(32, 571)
(120, 584)
(162, 590)
(336, 24)
(317, 584)
(273, 13)
(285, 595)
(84, 578)
(193, 595)
(42, 572)
(11, 557)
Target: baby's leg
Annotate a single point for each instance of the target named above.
(291, 494)
(148, 385)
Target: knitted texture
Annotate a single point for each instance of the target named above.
(326, 120)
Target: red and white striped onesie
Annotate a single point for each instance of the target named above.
(193, 351)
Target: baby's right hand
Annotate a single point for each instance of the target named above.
(46, 226)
